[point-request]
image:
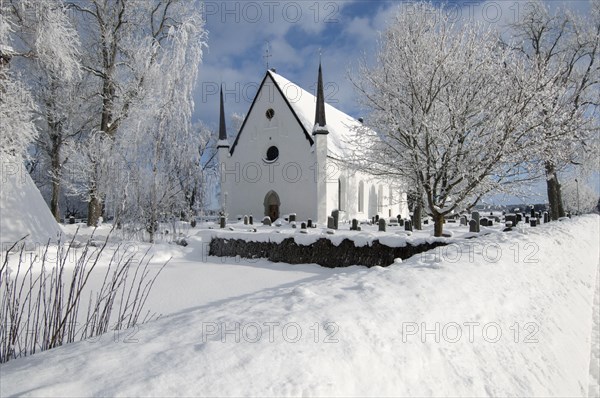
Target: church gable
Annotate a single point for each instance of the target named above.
(269, 93)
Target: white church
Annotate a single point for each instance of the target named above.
(290, 156)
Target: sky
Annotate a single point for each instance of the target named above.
(297, 34)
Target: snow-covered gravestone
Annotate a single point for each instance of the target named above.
(473, 226)
(251, 220)
(336, 218)
(408, 225)
(292, 218)
(512, 218)
(532, 213)
(475, 216)
(483, 222)
(519, 217)
(266, 220)
(463, 221)
(381, 225)
(546, 217)
(354, 226)
(245, 220)
(533, 222)
(303, 225)
(309, 223)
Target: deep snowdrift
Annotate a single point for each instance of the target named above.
(23, 211)
(502, 315)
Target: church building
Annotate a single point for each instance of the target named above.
(291, 156)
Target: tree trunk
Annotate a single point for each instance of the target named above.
(56, 172)
(418, 214)
(94, 209)
(438, 220)
(554, 193)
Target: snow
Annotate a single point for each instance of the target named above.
(23, 211)
(364, 332)
(342, 127)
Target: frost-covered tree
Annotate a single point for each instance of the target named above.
(562, 52)
(123, 39)
(161, 148)
(579, 197)
(447, 110)
(36, 38)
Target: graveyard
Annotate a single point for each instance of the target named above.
(482, 315)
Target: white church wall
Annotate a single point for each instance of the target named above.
(249, 177)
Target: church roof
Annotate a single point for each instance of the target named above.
(342, 127)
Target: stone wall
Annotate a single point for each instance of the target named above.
(321, 252)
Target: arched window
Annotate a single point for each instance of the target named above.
(361, 197)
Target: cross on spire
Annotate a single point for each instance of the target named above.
(267, 53)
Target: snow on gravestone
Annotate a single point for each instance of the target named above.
(23, 211)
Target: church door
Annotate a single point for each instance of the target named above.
(272, 204)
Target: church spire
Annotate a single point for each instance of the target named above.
(222, 127)
(320, 122)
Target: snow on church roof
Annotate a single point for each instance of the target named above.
(342, 127)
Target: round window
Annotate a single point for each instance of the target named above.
(270, 113)
(272, 153)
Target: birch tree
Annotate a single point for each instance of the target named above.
(447, 110)
(122, 39)
(36, 38)
(562, 52)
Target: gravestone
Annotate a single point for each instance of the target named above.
(401, 222)
(463, 220)
(381, 225)
(408, 225)
(473, 226)
(330, 222)
(303, 225)
(354, 226)
(539, 215)
(512, 218)
(292, 217)
(336, 218)
(533, 222)
(519, 217)
(222, 222)
(475, 216)
(251, 220)
(266, 220)
(377, 218)
(245, 220)
(546, 217)
(373, 220)
(532, 213)
(399, 218)
(309, 223)
(71, 220)
(526, 219)
(483, 222)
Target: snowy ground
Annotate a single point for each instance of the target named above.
(502, 315)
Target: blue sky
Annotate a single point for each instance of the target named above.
(296, 32)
